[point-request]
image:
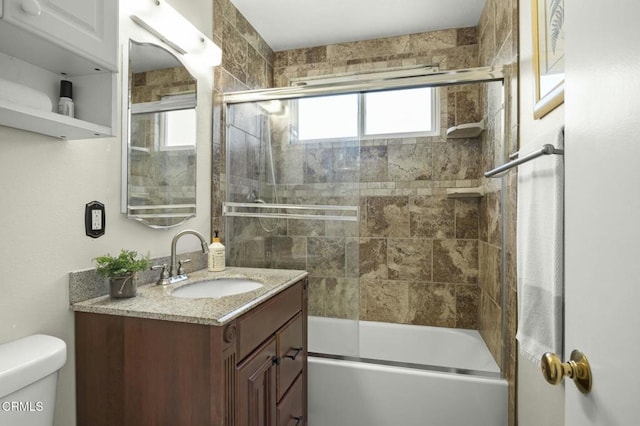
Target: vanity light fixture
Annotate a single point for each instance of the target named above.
(166, 23)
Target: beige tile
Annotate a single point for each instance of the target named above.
(467, 306)
(373, 258)
(490, 267)
(432, 217)
(409, 162)
(466, 36)
(467, 216)
(342, 298)
(425, 42)
(432, 304)
(387, 301)
(456, 159)
(455, 261)
(490, 326)
(387, 216)
(317, 293)
(374, 164)
(409, 259)
(326, 257)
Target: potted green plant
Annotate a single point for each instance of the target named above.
(121, 271)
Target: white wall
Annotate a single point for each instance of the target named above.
(45, 184)
(538, 402)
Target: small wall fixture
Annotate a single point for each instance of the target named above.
(166, 23)
(475, 192)
(467, 130)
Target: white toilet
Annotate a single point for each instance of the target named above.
(28, 377)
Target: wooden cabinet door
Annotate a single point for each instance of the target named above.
(89, 27)
(256, 398)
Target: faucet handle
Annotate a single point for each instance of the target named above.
(180, 264)
(164, 274)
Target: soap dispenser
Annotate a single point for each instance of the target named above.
(216, 259)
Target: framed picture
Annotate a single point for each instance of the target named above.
(548, 55)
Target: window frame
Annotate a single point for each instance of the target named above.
(361, 135)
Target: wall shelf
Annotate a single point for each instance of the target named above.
(60, 42)
(474, 192)
(466, 130)
(49, 123)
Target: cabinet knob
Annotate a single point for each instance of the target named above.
(275, 360)
(31, 7)
(298, 419)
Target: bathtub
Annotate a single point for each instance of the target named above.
(379, 374)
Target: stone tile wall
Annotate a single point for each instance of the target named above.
(412, 192)
(247, 63)
(474, 298)
(498, 36)
(385, 265)
(151, 86)
(417, 251)
(402, 186)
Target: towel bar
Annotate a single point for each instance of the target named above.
(546, 149)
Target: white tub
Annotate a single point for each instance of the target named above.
(392, 374)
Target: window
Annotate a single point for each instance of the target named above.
(178, 129)
(328, 117)
(400, 112)
(170, 122)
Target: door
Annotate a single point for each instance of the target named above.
(256, 398)
(602, 107)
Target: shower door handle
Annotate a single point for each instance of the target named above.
(577, 368)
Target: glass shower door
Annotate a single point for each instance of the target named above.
(293, 203)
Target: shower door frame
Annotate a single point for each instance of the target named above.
(388, 81)
(432, 79)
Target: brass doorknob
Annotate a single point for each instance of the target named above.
(554, 370)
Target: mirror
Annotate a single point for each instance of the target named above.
(161, 135)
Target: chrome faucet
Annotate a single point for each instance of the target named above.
(178, 268)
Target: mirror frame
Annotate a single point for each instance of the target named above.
(126, 129)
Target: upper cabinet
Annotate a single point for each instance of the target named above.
(85, 28)
(45, 41)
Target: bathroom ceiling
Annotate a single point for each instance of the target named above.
(292, 24)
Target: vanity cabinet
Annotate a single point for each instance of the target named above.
(45, 41)
(249, 371)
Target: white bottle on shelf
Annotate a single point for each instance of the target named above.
(65, 104)
(216, 260)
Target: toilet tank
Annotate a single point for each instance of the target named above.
(28, 377)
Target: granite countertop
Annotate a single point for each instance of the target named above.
(156, 302)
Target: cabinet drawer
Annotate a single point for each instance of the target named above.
(291, 410)
(260, 323)
(292, 352)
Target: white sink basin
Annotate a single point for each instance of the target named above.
(219, 287)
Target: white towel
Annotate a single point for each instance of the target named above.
(540, 245)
